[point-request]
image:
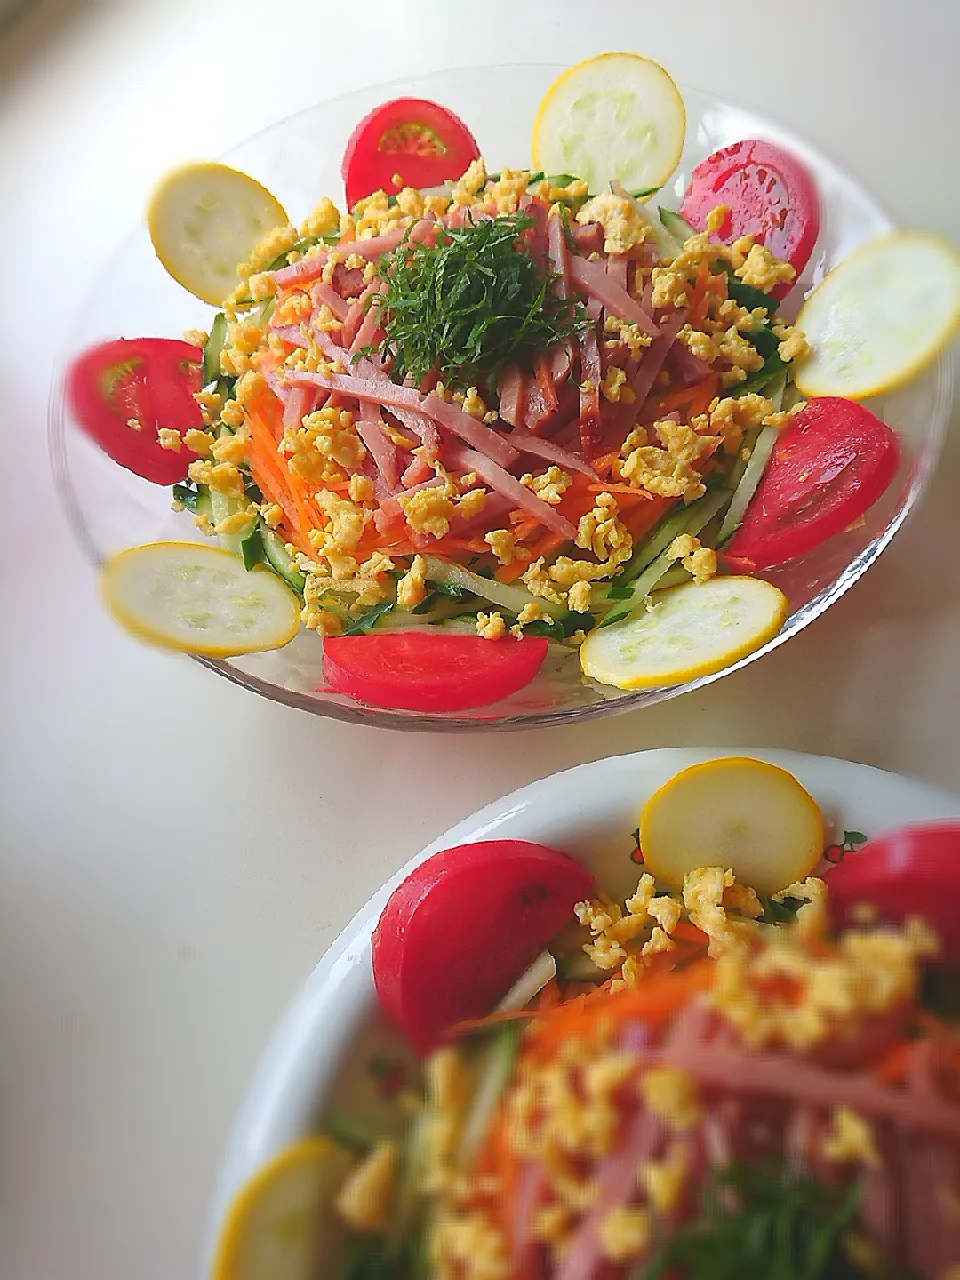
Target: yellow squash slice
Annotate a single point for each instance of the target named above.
(737, 813)
(880, 316)
(199, 599)
(617, 115)
(282, 1225)
(205, 219)
(689, 631)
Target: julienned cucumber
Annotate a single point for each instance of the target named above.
(691, 520)
(280, 560)
(752, 475)
(669, 527)
(497, 1059)
(508, 597)
(746, 477)
(221, 508)
(214, 346)
(678, 227)
(670, 231)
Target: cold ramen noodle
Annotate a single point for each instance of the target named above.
(520, 407)
(700, 1080)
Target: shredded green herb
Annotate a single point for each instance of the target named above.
(470, 304)
(763, 1223)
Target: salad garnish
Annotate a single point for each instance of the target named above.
(468, 304)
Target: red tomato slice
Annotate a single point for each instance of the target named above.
(770, 195)
(911, 872)
(421, 141)
(830, 465)
(416, 672)
(464, 926)
(151, 380)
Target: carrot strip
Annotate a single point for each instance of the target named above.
(893, 1069)
(655, 1000)
(605, 463)
(508, 573)
(549, 996)
(708, 389)
(625, 490)
(645, 515)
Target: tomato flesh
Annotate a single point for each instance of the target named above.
(148, 380)
(911, 872)
(421, 141)
(411, 671)
(464, 926)
(770, 194)
(830, 465)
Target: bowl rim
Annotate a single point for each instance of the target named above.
(611, 703)
(303, 1055)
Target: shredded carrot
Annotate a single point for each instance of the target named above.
(893, 1069)
(549, 996)
(645, 515)
(707, 390)
(606, 463)
(547, 545)
(655, 999)
(492, 1020)
(515, 569)
(625, 490)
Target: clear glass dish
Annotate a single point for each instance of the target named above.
(299, 160)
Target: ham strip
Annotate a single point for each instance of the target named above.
(369, 334)
(512, 391)
(616, 266)
(688, 367)
(591, 375)
(326, 295)
(593, 279)
(292, 334)
(296, 405)
(385, 453)
(527, 442)
(348, 281)
(561, 356)
(617, 1185)
(537, 234)
(356, 316)
(588, 238)
(418, 471)
(392, 397)
(651, 362)
(307, 269)
(503, 482)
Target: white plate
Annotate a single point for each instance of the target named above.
(590, 812)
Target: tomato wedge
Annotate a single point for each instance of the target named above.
(421, 141)
(411, 671)
(464, 926)
(911, 872)
(770, 195)
(150, 381)
(830, 465)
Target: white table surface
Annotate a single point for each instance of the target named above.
(176, 853)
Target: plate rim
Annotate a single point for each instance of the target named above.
(344, 967)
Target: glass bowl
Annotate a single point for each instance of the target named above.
(299, 160)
